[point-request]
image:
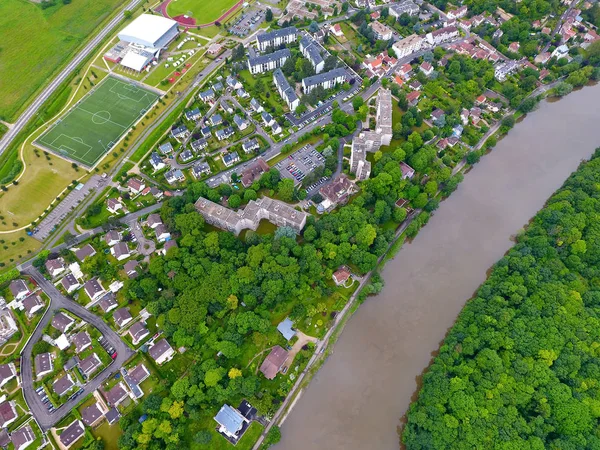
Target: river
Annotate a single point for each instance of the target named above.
(357, 398)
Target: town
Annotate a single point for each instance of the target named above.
(219, 204)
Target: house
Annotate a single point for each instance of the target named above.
(381, 32)
(70, 283)
(229, 159)
(327, 80)
(180, 132)
(407, 171)
(405, 71)
(112, 416)
(90, 364)
(437, 115)
(233, 83)
(139, 373)
(200, 169)
(375, 15)
(403, 7)
(130, 268)
(338, 191)
(62, 322)
(33, 304)
(276, 38)
(156, 162)
(154, 220)
(256, 106)
(267, 119)
(162, 234)
(193, 115)
(270, 61)
(336, 30)
(273, 362)
(224, 133)
(93, 289)
(240, 122)
(253, 172)
(542, 58)
(560, 52)
(214, 49)
(161, 351)
(286, 328)
(341, 275)
(82, 341)
(415, 85)
(174, 176)
(22, 438)
(19, 289)
(206, 132)
(8, 413)
(441, 35)
(186, 156)
(230, 421)
(43, 364)
(135, 186)
(311, 50)
(426, 68)
(116, 395)
(63, 385)
(457, 13)
(114, 205)
(113, 237)
(137, 332)
(168, 245)
(72, 433)
(108, 303)
(7, 373)
(250, 145)
(287, 93)
(122, 317)
(207, 95)
(199, 144)
(92, 415)
(505, 69)
(442, 144)
(165, 148)
(216, 119)
(241, 93)
(55, 266)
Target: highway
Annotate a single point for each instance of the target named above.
(58, 301)
(33, 108)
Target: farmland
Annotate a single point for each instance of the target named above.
(36, 42)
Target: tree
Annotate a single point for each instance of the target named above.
(357, 102)
(203, 437)
(286, 189)
(238, 53)
(313, 27)
(234, 201)
(234, 373)
(269, 15)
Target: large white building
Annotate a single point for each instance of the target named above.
(270, 61)
(285, 90)
(327, 80)
(312, 51)
(276, 38)
(442, 35)
(407, 46)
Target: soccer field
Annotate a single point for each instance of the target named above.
(98, 121)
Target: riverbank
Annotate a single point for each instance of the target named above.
(357, 397)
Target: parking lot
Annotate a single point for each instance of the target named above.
(300, 163)
(248, 22)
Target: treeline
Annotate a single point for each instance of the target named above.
(520, 368)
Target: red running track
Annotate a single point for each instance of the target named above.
(191, 22)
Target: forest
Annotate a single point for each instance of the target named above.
(520, 368)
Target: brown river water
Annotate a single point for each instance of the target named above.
(356, 400)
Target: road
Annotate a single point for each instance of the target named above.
(33, 108)
(58, 301)
(558, 26)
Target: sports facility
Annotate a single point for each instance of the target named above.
(97, 122)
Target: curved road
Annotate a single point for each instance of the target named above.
(62, 76)
(59, 301)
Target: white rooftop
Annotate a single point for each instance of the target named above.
(147, 28)
(135, 61)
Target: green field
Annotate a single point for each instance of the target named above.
(96, 124)
(35, 42)
(201, 10)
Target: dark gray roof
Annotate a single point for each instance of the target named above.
(108, 302)
(266, 37)
(269, 57)
(121, 315)
(90, 414)
(167, 147)
(282, 82)
(72, 433)
(120, 249)
(61, 321)
(62, 385)
(138, 331)
(112, 415)
(312, 49)
(82, 340)
(139, 373)
(131, 266)
(116, 394)
(84, 252)
(20, 437)
(43, 363)
(159, 348)
(31, 302)
(90, 363)
(199, 144)
(323, 77)
(92, 287)
(68, 281)
(7, 371)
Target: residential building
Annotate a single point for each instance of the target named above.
(161, 351)
(180, 132)
(165, 148)
(55, 267)
(82, 341)
(224, 133)
(207, 95)
(273, 362)
(43, 364)
(32, 304)
(442, 35)
(267, 119)
(276, 38)
(186, 156)
(116, 395)
(359, 164)
(240, 122)
(62, 322)
(241, 93)
(413, 97)
(200, 169)
(174, 176)
(426, 68)
(381, 31)
(199, 144)
(270, 61)
(336, 30)
(407, 171)
(457, 13)
(63, 385)
(22, 438)
(138, 374)
(407, 46)
(154, 220)
(560, 52)
(311, 50)
(157, 162)
(193, 115)
(108, 303)
(114, 205)
(8, 324)
(326, 80)
(90, 364)
(229, 159)
(256, 106)
(19, 289)
(135, 186)
(403, 7)
(250, 145)
(231, 421)
(8, 413)
(341, 276)
(122, 317)
(161, 233)
(137, 332)
(120, 251)
(253, 172)
(72, 433)
(503, 70)
(70, 283)
(338, 191)
(113, 237)
(233, 83)
(93, 289)
(286, 328)
(7, 373)
(92, 415)
(278, 213)
(285, 90)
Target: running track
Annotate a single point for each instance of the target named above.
(163, 10)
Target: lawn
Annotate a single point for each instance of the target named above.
(96, 124)
(36, 42)
(15, 248)
(202, 11)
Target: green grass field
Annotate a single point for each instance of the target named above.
(201, 10)
(36, 42)
(95, 124)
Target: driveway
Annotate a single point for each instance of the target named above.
(58, 301)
